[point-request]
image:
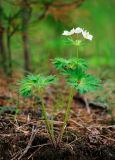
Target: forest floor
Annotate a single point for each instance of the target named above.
(89, 134)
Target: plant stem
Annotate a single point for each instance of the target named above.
(47, 122)
(66, 115)
(52, 131)
(17, 105)
(52, 123)
(77, 52)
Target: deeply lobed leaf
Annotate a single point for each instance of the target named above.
(69, 65)
(84, 82)
(33, 83)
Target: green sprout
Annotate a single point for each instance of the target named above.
(35, 85)
(75, 72)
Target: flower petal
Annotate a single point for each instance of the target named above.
(86, 35)
(78, 30)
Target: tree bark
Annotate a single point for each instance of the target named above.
(2, 49)
(25, 37)
(8, 38)
(26, 51)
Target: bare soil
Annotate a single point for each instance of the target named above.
(88, 136)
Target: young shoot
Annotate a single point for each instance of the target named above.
(75, 71)
(35, 85)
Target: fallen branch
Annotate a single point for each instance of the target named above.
(91, 104)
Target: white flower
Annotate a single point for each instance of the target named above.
(78, 30)
(86, 35)
(68, 33)
(72, 31)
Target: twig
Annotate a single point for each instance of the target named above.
(16, 155)
(87, 105)
(8, 135)
(98, 105)
(111, 139)
(37, 149)
(34, 131)
(90, 104)
(76, 123)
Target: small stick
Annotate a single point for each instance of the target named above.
(87, 105)
(111, 139)
(34, 131)
(41, 146)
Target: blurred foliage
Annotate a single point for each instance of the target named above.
(101, 20)
(46, 42)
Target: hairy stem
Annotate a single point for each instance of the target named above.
(17, 105)
(47, 122)
(52, 124)
(66, 115)
(77, 52)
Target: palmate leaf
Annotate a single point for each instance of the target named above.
(75, 63)
(68, 65)
(84, 82)
(60, 63)
(75, 69)
(74, 73)
(33, 83)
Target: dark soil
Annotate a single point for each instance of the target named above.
(88, 136)
(86, 144)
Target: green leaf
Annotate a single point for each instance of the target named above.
(84, 82)
(67, 66)
(33, 83)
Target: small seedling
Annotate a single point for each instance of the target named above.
(35, 85)
(75, 72)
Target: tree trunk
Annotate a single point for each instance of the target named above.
(25, 39)
(26, 51)
(2, 49)
(9, 53)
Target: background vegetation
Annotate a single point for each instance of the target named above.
(31, 33)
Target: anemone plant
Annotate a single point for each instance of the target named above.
(35, 85)
(75, 71)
